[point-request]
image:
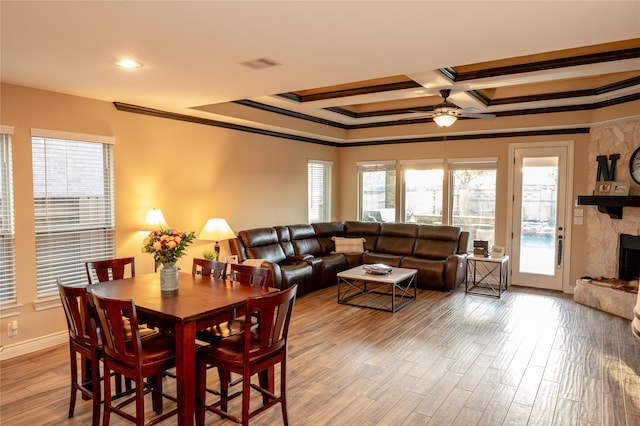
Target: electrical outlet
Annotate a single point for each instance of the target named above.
(12, 328)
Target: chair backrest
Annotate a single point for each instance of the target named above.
(273, 312)
(118, 323)
(208, 268)
(111, 269)
(78, 311)
(247, 274)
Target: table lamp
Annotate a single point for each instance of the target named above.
(216, 230)
(155, 221)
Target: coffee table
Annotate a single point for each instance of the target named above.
(389, 292)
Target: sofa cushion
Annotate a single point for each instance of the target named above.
(285, 240)
(431, 273)
(325, 231)
(397, 238)
(349, 245)
(436, 241)
(370, 257)
(367, 230)
(262, 243)
(304, 241)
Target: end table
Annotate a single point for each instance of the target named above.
(487, 276)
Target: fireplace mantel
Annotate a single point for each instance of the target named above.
(610, 204)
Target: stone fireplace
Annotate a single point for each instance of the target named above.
(603, 232)
(629, 257)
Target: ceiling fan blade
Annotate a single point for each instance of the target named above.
(470, 110)
(417, 117)
(477, 115)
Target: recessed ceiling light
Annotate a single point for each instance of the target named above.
(128, 63)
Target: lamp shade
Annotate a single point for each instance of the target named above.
(444, 119)
(155, 221)
(216, 230)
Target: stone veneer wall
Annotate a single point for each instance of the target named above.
(622, 138)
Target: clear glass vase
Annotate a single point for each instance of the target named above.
(169, 277)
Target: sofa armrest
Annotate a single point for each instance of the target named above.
(301, 257)
(455, 269)
(276, 273)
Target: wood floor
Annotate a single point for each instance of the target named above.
(530, 358)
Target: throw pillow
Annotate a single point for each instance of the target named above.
(349, 245)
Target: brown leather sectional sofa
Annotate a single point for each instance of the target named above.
(305, 254)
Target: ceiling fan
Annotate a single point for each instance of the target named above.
(446, 113)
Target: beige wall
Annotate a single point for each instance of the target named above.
(193, 172)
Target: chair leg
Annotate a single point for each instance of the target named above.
(156, 392)
(283, 392)
(224, 388)
(86, 373)
(107, 396)
(140, 401)
(95, 389)
(246, 397)
(266, 381)
(73, 361)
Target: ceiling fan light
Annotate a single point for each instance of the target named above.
(444, 119)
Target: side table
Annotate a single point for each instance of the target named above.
(487, 276)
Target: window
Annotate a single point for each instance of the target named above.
(7, 226)
(319, 186)
(473, 197)
(422, 184)
(73, 205)
(377, 191)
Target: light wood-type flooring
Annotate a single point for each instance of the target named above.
(530, 358)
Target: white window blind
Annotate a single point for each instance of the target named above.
(319, 191)
(7, 226)
(73, 206)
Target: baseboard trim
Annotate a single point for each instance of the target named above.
(23, 348)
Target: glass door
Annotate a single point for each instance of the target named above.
(538, 228)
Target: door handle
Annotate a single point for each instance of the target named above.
(559, 252)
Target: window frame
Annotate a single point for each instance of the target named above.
(371, 166)
(490, 163)
(71, 226)
(421, 164)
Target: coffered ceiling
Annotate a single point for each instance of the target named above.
(335, 72)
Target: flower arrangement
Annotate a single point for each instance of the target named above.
(167, 245)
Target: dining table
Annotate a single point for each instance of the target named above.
(198, 303)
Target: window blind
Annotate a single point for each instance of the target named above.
(7, 223)
(319, 187)
(73, 208)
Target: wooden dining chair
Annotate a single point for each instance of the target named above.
(99, 271)
(248, 274)
(110, 269)
(83, 341)
(209, 268)
(126, 353)
(244, 274)
(255, 351)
